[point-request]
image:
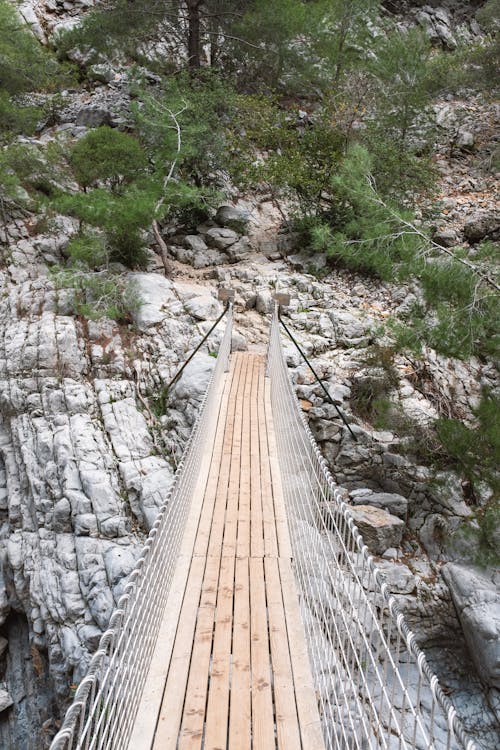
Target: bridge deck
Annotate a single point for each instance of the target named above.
(231, 667)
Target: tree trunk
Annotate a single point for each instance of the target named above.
(194, 36)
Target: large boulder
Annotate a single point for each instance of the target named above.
(195, 379)
(393, 503)
(350, 330)
(477, 601)
(379, 529)
(94, 117)
(232, 217)
(155, 292)
(221, 238)
(482, 227)
(204, 307)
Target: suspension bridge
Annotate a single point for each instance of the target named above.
(256, 616)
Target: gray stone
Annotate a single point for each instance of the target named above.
(350, 330)
(446, 237)
(399, 578)
(156, 293)
(465, 140)
(395, 504)
(239, 251)
(263, 302)
(379, 529)
(221, 238)
(5, 699)
(232, 217)
(101, 72)
(203, 308)
(477, 601)
(482, 226)
(195, 378)
(93, 117)
(238, 342)
(196, 243)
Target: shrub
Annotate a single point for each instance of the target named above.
(107, 155)
(88, 250)
(100, 294)
(475, 451)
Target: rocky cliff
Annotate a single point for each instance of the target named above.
(89, 435)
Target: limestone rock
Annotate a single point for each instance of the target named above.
(221, 238)
(446, 237)
(482, 226)
(239, 250)
(156, 293)
(393, 503)
(350, 330)
(195, 378)
(379, 529)
(232, 217)
(94, 117)
(204, 307)
(399, 577)
(477, 601)
(5, 699)
(464, 140)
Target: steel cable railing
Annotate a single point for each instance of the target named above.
(375, 688)
(105, 704)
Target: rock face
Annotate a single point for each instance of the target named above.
(477, 601)
(84, 442)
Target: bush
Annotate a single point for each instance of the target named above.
(462, 315)
(475, 451)
(88, 250)
(100, 294)
(106, 155)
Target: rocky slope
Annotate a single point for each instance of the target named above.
(89, 442)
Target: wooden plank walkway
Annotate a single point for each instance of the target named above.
(235, 673)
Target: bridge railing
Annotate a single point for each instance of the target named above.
(374, 686)
(105, 704)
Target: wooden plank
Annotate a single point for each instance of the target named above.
(224, 435)
(284, 543)
(243, 538)
(262, 700)
(240, 702)
(167, 729)
(193, 718)
(268, 510)
(231, 521)
(256, 519)
(305, 695)
(287, 726)
(217, 716)
(219, 512)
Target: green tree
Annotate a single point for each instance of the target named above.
(397, 129)
(487, 55)
(21, 69)
(127, 25)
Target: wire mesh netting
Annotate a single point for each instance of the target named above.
(105, 704)
(374, 686)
